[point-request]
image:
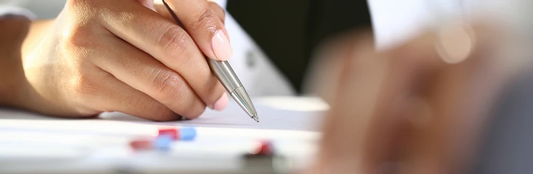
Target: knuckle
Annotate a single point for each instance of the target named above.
(78, 37)
(168, 86)
(206, 20)
(174, 41)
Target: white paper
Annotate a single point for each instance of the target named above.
(101, 144)
(234, 117)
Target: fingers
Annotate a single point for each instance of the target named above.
(163, 11)
(115, 95)
(204, 25)
(219, 11)
(142, 72)
(171, 45)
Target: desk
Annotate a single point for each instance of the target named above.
(32, 143)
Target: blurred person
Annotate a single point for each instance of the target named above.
(426, 103)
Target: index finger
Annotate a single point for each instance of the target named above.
(200, 20)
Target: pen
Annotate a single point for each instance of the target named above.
(228, 78)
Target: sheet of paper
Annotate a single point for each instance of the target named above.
(49, 143)
(234, 117)
(271, 117)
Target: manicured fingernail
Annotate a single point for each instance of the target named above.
(221, 46)
(221, 103)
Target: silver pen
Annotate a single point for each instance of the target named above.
(228, 78)
(231, 82)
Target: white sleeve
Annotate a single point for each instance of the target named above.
(6, 10)
(395, 22)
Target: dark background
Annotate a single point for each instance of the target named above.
(289, 30)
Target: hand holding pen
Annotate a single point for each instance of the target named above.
(126, 56)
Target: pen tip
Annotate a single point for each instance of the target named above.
(256, 118)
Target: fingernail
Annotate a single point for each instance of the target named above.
(221, 103)
(221, 46)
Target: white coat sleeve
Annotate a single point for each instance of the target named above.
(13, 8)
(395, 22)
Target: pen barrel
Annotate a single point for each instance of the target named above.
(225, 74)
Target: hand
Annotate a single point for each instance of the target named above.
(414, 109)
(127, 56)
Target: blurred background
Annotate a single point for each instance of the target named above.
(44, 9)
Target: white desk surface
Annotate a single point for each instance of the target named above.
(32, 143)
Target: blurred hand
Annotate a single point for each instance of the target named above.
(128, 56)
(415, 109)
